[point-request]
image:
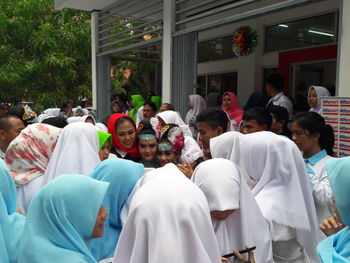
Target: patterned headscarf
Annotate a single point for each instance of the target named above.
(28, 154)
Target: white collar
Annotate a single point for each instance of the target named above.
(277, 96)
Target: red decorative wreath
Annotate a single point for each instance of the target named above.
(245, 40)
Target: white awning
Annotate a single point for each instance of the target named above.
(87, 5)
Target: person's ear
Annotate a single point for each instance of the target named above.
(316, 137)
(2, 134)
(219, 130)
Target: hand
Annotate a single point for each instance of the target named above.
(240, 257)
(18, 210)
(225, 260)
(186, 169)
(331, 225)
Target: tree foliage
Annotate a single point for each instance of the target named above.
(44, 54)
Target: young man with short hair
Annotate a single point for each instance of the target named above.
(256, 119)
(274, 88)
(10, 127)
(211, 122)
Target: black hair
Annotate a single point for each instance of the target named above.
(59, 122)
(152, 105)
(164, 137)
(276, 80)
(145, 127)
(19, 112)
(314, 123)
(122, 119)
(214, 117)
(280, 114)
(113, 103)
(64, 106)
(261, 115)
(4, 121)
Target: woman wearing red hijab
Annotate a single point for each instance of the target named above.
(124, 136)
(230, 105)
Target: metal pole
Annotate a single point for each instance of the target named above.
(168, 28)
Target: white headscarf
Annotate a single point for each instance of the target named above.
(227, 146)
(321, 92)
(169, 221)
(198, 105)
(191, 151)
(170, 116)
(43, 117)
(283, 191)
(54, 112)
(85, 111)
(76, 151)
(227, 190)
(80, 119)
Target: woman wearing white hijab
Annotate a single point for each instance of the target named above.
(227, 146)
(168, 222)
(76, 151)
(197, 105)
(283, 194)
(236, 217)
(191, 150)
(313, 97)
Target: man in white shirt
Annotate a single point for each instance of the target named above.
(274, 89)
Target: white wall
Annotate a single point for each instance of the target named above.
(250, 68)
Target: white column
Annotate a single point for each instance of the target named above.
(94, 47)
(168, 28)
(343, 77)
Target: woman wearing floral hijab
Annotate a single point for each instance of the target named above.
(27, 158)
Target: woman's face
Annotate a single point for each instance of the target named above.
(99, 225)
(312, 99)
(166, 154)
(126, 134)
(79, 113)
(302, 138)
(116, 108)
(226, 102)
(148, 149)
(161, 122)
(90, 120)
(104, 152)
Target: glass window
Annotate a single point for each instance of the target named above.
(215, 49)
(218, 82)
(313, 31)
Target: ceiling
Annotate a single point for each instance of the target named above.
(87, 5)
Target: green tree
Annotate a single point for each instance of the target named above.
(44, 54)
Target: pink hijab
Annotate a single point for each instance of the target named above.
(235, 113)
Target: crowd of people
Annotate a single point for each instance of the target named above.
(258, 185)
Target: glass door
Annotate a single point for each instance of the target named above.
(305, 74)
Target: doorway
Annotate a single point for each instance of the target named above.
(305, 74)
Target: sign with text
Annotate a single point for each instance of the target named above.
(336, 112)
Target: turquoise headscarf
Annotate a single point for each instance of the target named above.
(336, 248)
(61, 219)
(11, 223)
(122, 175)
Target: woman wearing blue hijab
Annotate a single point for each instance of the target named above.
(11, 223)
(336, 248)
(62, 219)
(122, 175)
